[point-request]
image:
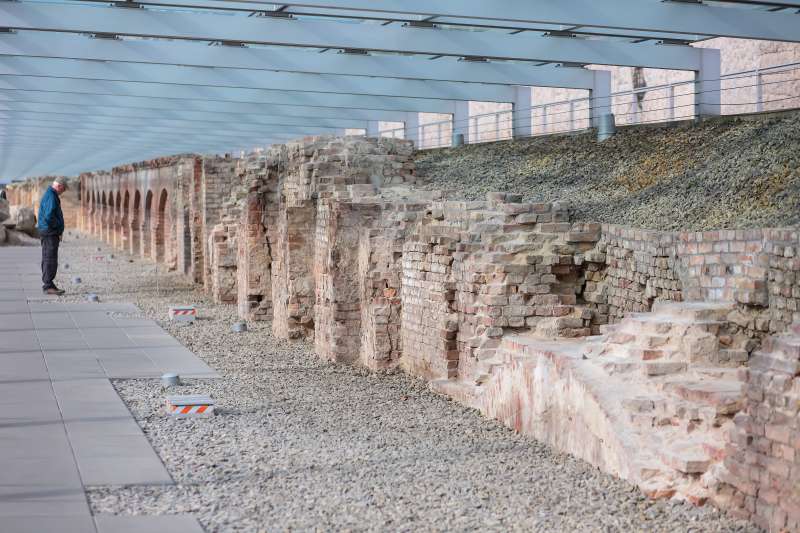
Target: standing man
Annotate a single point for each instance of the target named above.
(51, 227)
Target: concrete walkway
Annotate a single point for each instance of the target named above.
(62, 425)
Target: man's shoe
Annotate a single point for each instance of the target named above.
(54, 290)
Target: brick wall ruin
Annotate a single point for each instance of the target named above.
(667, 358)
(29, 192)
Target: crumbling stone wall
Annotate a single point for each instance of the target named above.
(475, 270)
(630, 269)
(222, 246)
(724, 265)
(28, 193)
(330, 239)
(782, 250)
(761, 478)
(259, 219)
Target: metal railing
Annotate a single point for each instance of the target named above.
(757, 90)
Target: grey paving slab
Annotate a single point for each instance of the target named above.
(57, 320)
(72, 364)
(126, 363)
(49, 524)
(22, 366)
(61, 339)
(16, 322)
(13, 306)
(93, 319)
(180, 360)
(124, 322)
(18, 341)
(62, 425)
(123, 471)
(20, 500)
(107, 338)
(147, 524)
(48, 471)
(12, 294)
(45, 307)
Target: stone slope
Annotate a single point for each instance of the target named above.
(723, 173)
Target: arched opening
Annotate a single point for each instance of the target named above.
(147, 235)
(103, 217)
(126, 228)
(92, 208)
(159, 232)
(135, 243)
(116, 237)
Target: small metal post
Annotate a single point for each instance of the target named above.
(759, 91)
(671, 102)
(544, 119)
(571, 115)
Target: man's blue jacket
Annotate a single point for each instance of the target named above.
(51, 219)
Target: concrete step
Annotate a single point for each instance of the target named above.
(663, 368)
(626, 365)
(457, 390)
(695, 311)
(724, 396)
(689, 458)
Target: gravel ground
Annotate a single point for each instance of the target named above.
(727, 173)
(302, 444)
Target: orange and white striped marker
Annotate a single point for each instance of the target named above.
(192, 405)
(183, 313)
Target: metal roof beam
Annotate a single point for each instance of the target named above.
(211, 107)
(201, 118)
(253, 79)
(657, 17)
(67, 46)
(267, 30)
(226, 94)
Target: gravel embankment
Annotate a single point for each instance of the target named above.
(730, 173)
(302, 444)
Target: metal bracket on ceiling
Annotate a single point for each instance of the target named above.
(354, 51)
(420, 24)
(276, 15)
(232, 44)
(474, 59)
(673, 42)
(128, 4)
(105, 36)
(559, 33)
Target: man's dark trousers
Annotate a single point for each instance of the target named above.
(49, 260)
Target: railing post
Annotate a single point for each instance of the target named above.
(671, 102)
(572, 115)
(707, 85)
(544, 118)
(759, 92)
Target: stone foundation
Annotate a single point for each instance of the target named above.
(661, 357)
